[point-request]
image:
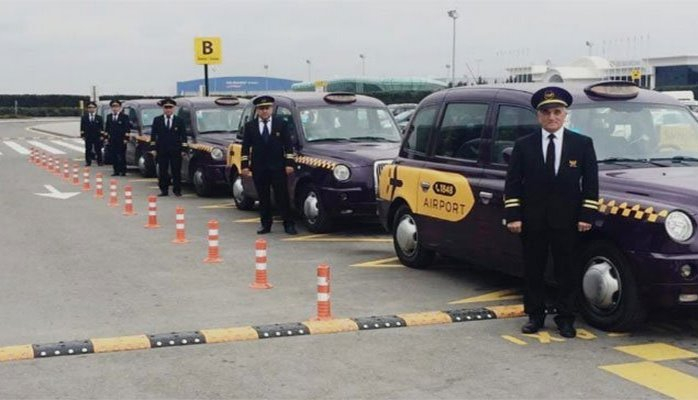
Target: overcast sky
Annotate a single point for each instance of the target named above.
(147, 46)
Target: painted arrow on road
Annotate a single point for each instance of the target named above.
(56, 194)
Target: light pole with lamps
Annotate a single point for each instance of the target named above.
(363, 64)
(589, 45)
(266, 76)
(448, 68)
(454, 15)
(309, 64)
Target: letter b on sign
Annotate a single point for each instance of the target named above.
(207, 50)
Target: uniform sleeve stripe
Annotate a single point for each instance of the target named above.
(591, 206)
(511, 201)
(591, 201)
(512, 205)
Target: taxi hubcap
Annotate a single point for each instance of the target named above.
(141, 163)
(199, 178)
(406, 235)
(310, 207)
(238, 190)
(601, 284)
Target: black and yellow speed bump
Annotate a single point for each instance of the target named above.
(244, 333)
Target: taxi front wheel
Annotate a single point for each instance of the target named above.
(406, 240)
(315, 216)
(609, 297)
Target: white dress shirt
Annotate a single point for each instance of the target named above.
(558, 145)
(261, 125)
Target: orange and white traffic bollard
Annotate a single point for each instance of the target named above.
(44, 161)
(32, 155)
(66, 170)
(213, 255)
(99, 192)
(128, 201)
(260, 273)
(86, 179)
(113, 197)
(57, 166)
(181, 236)
(324, 309)
(76, 174)
(50, 164)
(152, 213)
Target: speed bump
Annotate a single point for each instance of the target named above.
(245, 333)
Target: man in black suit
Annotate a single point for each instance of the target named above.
(169, 139)
(270, 162)
(91, 132)
(117, 128)
(551, 196)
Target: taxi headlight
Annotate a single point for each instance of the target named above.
(217, 154)
(341, 173)
(678, 226)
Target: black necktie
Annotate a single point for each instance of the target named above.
(114, 118)
(92, 118)
(550, 155)
(265, 130)
(168, 123)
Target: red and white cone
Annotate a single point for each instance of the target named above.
(324, 309)
(86, 179)
(113, 196)
(180, 235)
(99, 190)
(44, 161)
(152, 213)
(213, 255)
(128, 201)
(260, 274)
(76, 174)
(66, 170)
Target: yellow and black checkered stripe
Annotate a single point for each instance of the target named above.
(315, 162)
(635, 211)
(201, 147)
(509, 203)
(245, 333)
(143, 138)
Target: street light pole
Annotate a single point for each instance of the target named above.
(309, 75)
(454, 15)
(448, 68)
(589, 45)
(266, 76)
(363, 64)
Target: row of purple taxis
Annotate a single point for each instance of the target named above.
(439, 189)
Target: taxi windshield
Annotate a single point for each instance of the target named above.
(350, 123)
(217, 120)
(637, 131)
(148, 114)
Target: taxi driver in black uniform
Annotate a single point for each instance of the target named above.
(91, 132)
(551, 196)
(168, 138)
(267, 155)
(117, 128)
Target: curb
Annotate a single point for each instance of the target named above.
(65, 135)
(245, 333)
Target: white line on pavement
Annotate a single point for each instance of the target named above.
(19, 149)
(45, 147)
(68, 145)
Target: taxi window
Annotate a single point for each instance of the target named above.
(418, 136)
(217, 120)
(512, 123)
(348, 123)
(149, 114)
(185, 114)
(461, 130)
(246, 115)
(287, 115)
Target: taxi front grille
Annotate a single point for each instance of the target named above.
(377, 168)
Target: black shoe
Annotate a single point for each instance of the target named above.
(264, 230)
(290, 229)
(566, 328)
(178, 194)
(163, 194)
(533, 325)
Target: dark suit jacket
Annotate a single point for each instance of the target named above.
(274, 154)
(91, 130)
(164, 139)
(541, 201)
(116, 131)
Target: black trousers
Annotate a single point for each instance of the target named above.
(118, 151)
(537, 244)
(264, 181)
(93, 149)
(170, 163)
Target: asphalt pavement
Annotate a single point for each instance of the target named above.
(78, 269)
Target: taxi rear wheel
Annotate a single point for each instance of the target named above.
(242, 201)
(202, 187)
(146, 165)
(313, 211)
(406, 240)
(609, 295)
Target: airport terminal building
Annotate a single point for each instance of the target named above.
(235, 85)
(371, 85)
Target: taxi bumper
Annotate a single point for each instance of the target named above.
(670, 285)
(350, 201)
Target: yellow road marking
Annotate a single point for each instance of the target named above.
(217, 206)
(512, 311)
(252, 220)
(506, 294)
(391, 262)
(514, 340)
(657, 352)
(325, 237)
(144, 180)
(120, 343)
(544, 337)
(664, 380)
(618, 334)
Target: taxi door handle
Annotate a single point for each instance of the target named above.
(425, 185)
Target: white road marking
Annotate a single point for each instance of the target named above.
(56, 194)
(45, 147)
(68, 145)
(19, 149)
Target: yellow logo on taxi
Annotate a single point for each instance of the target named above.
(437, 194)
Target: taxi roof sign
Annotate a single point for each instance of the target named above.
(227, 101)
(208, 50)
(340, 97)
(613, 90)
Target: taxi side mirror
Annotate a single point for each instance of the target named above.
(506, 154)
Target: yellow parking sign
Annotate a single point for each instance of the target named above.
(636, 74)
(208, 50)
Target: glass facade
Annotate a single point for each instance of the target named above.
(367, 85)
(676, 75)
